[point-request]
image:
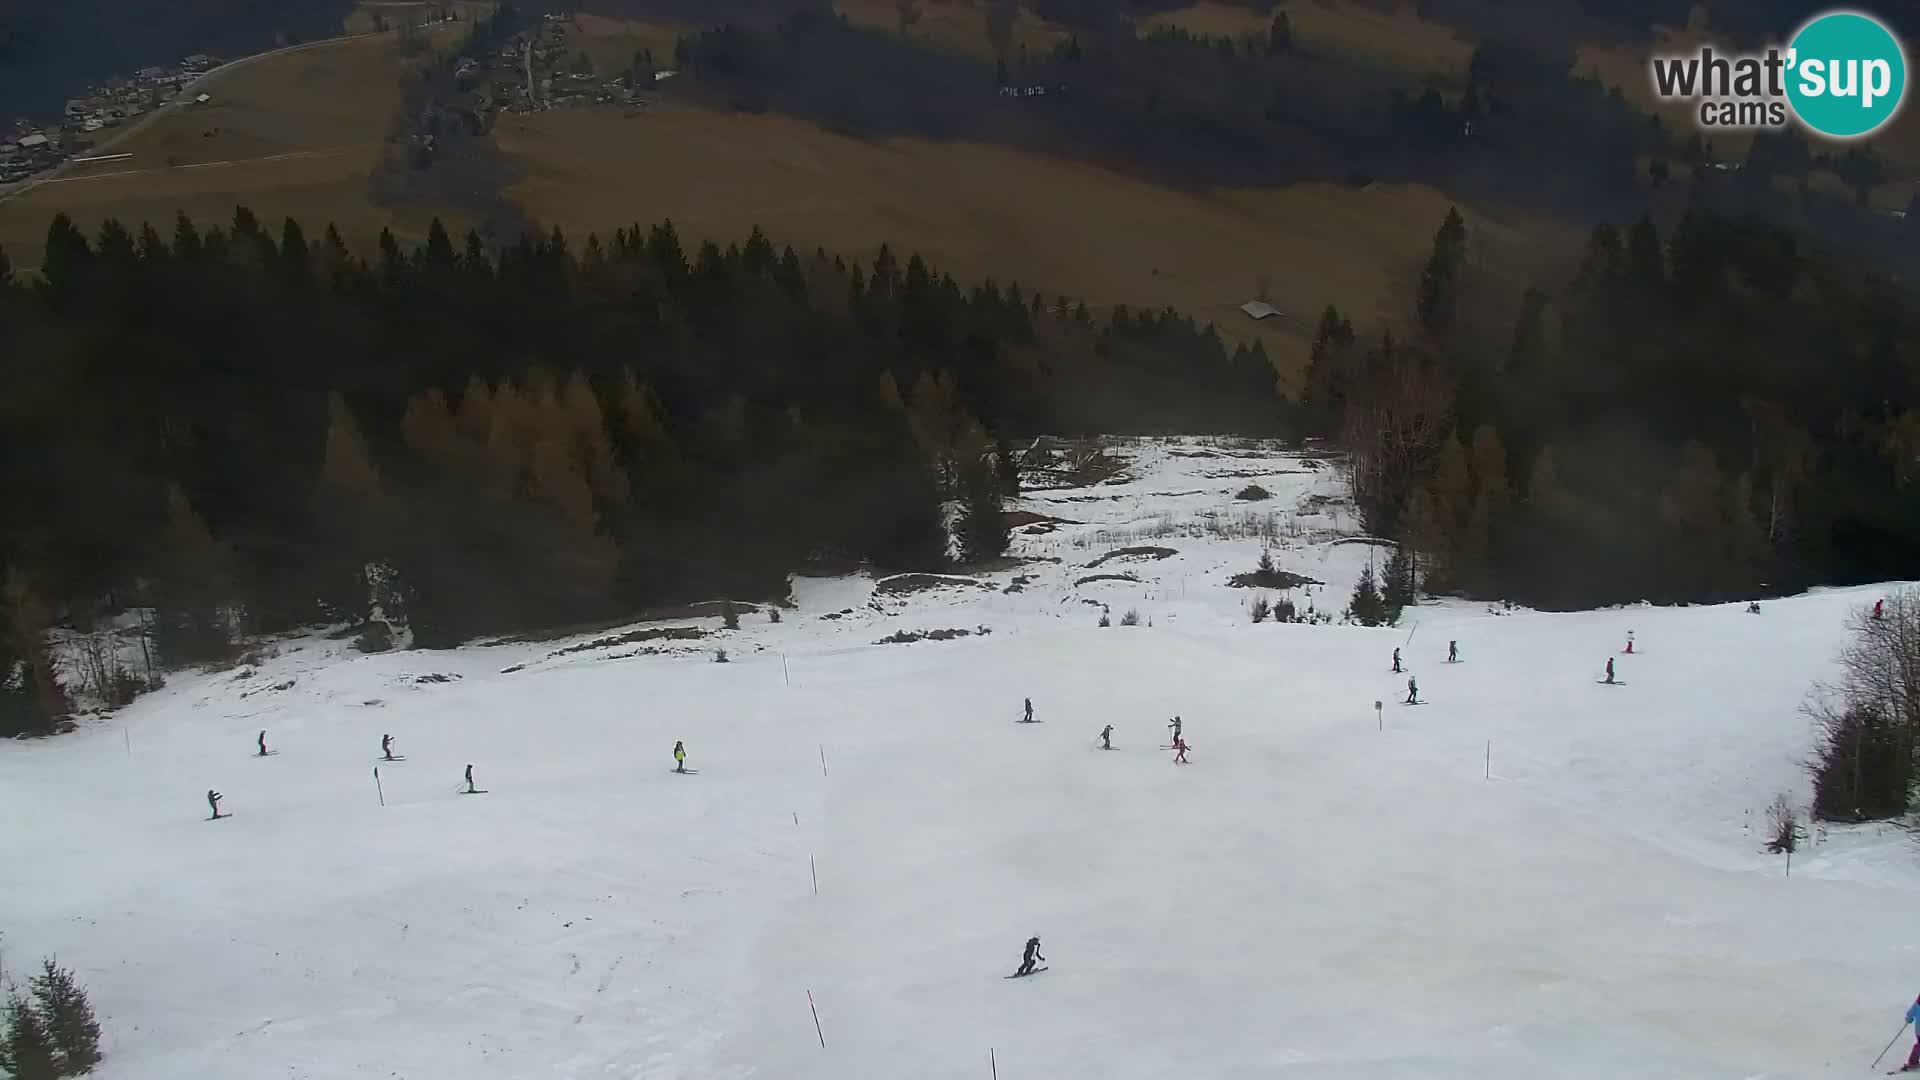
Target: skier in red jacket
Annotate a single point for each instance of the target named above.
(1179, 750)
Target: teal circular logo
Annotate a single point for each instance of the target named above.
(1847, 74)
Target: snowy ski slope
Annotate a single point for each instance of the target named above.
(1532, 875)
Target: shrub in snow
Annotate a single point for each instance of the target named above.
(1284, 611)
(773, 614)
(1783, 827)
(1253, 493)
(1105, 619)
(1864, 767)
(68, 1018)
(720, 656)
(376, 637)
(729, 615)
(1260, 609)
(1131, 618)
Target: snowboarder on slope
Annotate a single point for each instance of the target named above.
(1028, 718)
(1030, 956)
(1396, 661)
(213, 800)
(1609, 669)
(1413, 691)
(263, 742)
(1179, 750)
(1106, 737)
(386, 747)
(1453, 652)
(679, 756)
(470, 787)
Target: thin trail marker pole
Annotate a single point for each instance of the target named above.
(814, 869)
(823, 1035)
(1489, 774)
(996, 1064)
(796, 819)
(1889, 1046)
(823, 759)
(129, 737)
(1378, 715)
(377, 786)
(783, 670)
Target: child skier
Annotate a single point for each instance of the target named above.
(1106, 737)
(1032, 954)
(386, 747)
(1396, 661)
(1609, 669)
(1629, 643)
(1179, 750)
(1913, 1018)
(263, 743)
(213, 801)
(1413, 691)
(1453, 652)
(679, 756)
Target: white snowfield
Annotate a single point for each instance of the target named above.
(1531, 875)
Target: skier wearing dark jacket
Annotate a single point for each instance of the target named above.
(1028, 718)
(1609, 669)
(263, 743)
(1396, 661)
(1032, 954)
(470, 787)
(213, 800)
(1106, 737)
(386, 747)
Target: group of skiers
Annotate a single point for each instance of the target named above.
(386, 754)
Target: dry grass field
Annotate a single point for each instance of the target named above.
(979, 210)
(1393, 36)
(956, 25)
(294, 135)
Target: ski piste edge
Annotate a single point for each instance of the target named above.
(1017, 975)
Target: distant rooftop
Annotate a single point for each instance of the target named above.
(1260, 309)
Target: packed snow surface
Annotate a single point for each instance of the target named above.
(1529, 875)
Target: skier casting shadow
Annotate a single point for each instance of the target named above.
(1413, 692)
(213, 801)
(679, 756)
(1027, 718)
(1106, 737)
(1031, 956)
(386, 747)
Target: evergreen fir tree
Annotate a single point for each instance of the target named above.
(984, 532)
(1438, 299)
(28, 1049)
(1367, 607)
(68, 1017)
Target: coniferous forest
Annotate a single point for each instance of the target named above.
(244, 429)
(238, 430)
